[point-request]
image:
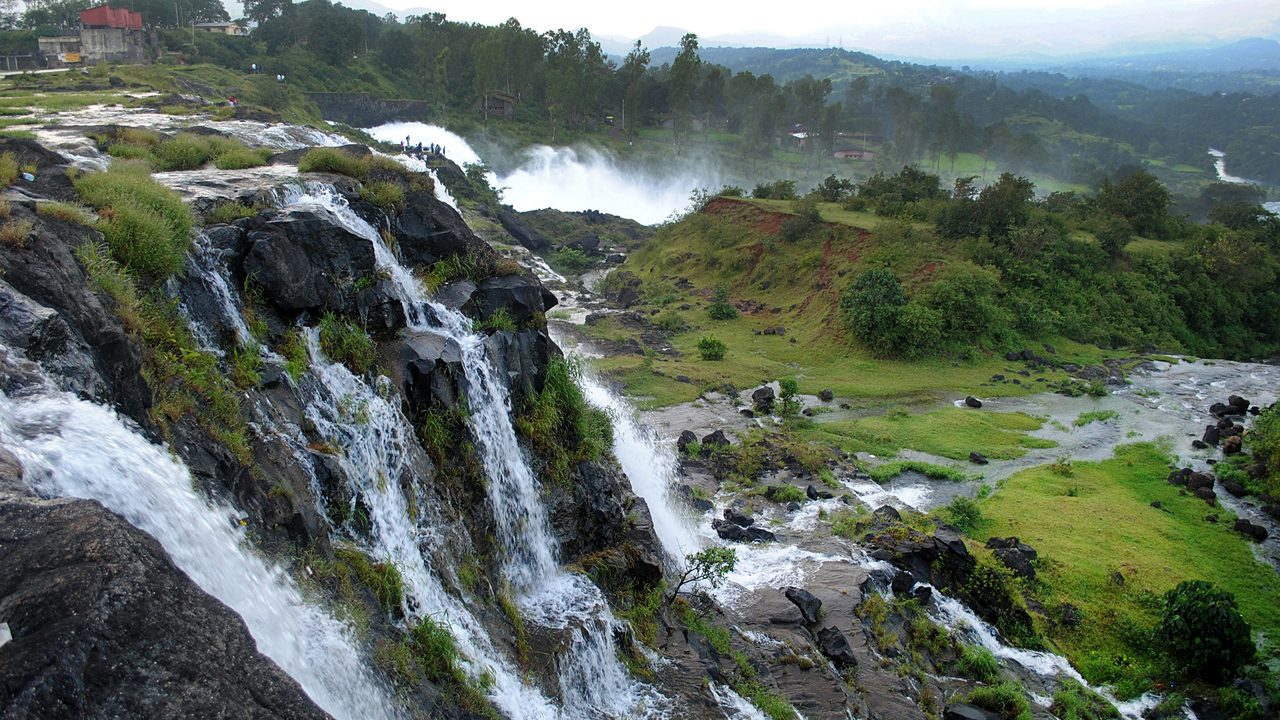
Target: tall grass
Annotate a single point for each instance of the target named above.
(146, 225)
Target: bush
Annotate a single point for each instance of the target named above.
(146, 225)
(1073, 701)
(228, 212)
(1264, 441)
(345, 342)
(777, 190)
(1006, 700)
(9, 169)
(711, 349)
(63, 211)
(871, 307)
(720, 307)
(833, 189)
(672, 322)
(786, 494)
(570, 261)
(1202, 631)
(978, 663)
(331, 160)
(964, 514)
(387, 195)
(240, 159)
(184, 152)
(14, 233)
(559, 423)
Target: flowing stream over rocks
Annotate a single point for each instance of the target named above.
(73, 448)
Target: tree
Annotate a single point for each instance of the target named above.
(789, 395)
(631, 73)
(683, 74)
(871, 306)
(1202, 631)
(1139, 198)
(709, 566)
(720, 307)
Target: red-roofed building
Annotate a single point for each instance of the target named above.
(114, 35)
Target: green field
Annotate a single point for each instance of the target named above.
(1104, 549)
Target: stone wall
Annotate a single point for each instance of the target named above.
(115, 45)
(364, 110)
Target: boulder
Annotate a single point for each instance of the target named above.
(735, 533)
(977, 458)
(835, 646)
(588, 244)
(738, 518)
(973, 402)
(1232, 445)
(429, 368)
(814, 493)
(1254, 531)
(305, 260)
(1206, 494)
(1212, 435)
(961, 711)
(1234, 488)
(1199, 444)
(428, 230)
(702, 505)
(810, 606)
(686, 439)
(627, 288)
(521, 231)
(104, 625)
(1239, 404)
(762, 400)
(902, 583)
(826, 395)
(715, 439)
(1197, 480)
(886, 514)
(521, 297)
(522, 358)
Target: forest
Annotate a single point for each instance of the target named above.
(1078, 131)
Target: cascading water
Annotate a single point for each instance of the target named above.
(208, 264)
(71, 447)
(593, 682)
(650, 465)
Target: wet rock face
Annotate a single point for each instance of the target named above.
(810, 606)
(522, 298)
(85, 347)
(305, 261)
(104, 625)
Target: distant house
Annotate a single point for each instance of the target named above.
(502, 104)
(60, 50)
(221, 28)
(114, 35)
(853, 153)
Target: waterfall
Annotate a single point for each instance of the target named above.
(651, 465)
(71, 447)
(593, 681)
(374, 439)
(208, 264)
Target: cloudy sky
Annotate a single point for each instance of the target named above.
(930, 28)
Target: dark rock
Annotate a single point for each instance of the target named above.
(522, 297)
(886, 514)
(715, 439)
(961, 711)
(1199, 444)
(700, 504)
(1232, 445)
(977, 458)
(738, 518)
(521, 357)
(735, 533)
(1157, 504)
(1255, 411)
(1240, 404)
(972, 402)
(104, 625)
(1211, 435)
(1197, 480)
(1016, 561)
(1180, 477)
(1258, 533)
(902, 583)
(627, 292)
(429, 368)
(835, 645)
(1068, 615)
(588, 244)
(1206, 494)
(521, 231)
(826, 395)
(762, 400)
(615, 258)
(747, 412)
(1235, 488)
(814, 493)
(997, 378)
(686, 439)
(810, 606)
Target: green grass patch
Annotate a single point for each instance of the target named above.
(891, 470)
(950, 432)
(1108, 553)
(345, 342)
(229, 212)
(561, 427)
(1095, 416)
(66, 212)
(146, 225)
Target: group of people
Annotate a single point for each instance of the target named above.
(419, 151)
(257, 69)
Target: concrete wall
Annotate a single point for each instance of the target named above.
(115, 45)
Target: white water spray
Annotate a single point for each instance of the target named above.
(71, 447)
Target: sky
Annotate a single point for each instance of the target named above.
(924, 28)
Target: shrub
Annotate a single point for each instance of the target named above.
(240, 158)
(571, 261)
(14, 233)
(146, 225)
(711, 349)
(345, 342)
(789, 397)
(9, 169)
(1202, 631)
(871, 307)
(383, 578)
(385, 194)
(183, 152)
(720, 307)
(1264, 441)
(786, 494)
(63, 211)
(833, 189)
(559, 423)
(1005, 700)
(964, 514)
(1073, 701)
(498, 321)
(331, 160)
(777, 190)
(672, 322)
(978, 663)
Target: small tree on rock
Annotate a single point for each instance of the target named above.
(711, 566)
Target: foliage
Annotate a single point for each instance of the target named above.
(1263, 438)
(711, 349)
(964, 514)
(1073, 701)
(1005, 699)
(890, 470)
(978, 663)
(1094, 416)
(228, 212)
(345, 342)
(14, 233)
(785, 493)
(711, 566)
(720, 307)
(385, 194)
(778, 190)
(67, 212)
(498, 321)
(1201, 629)
(570, 261)
(557, 421)
(146, 225)
(789, 397)
(382, 578)
(8, 169)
